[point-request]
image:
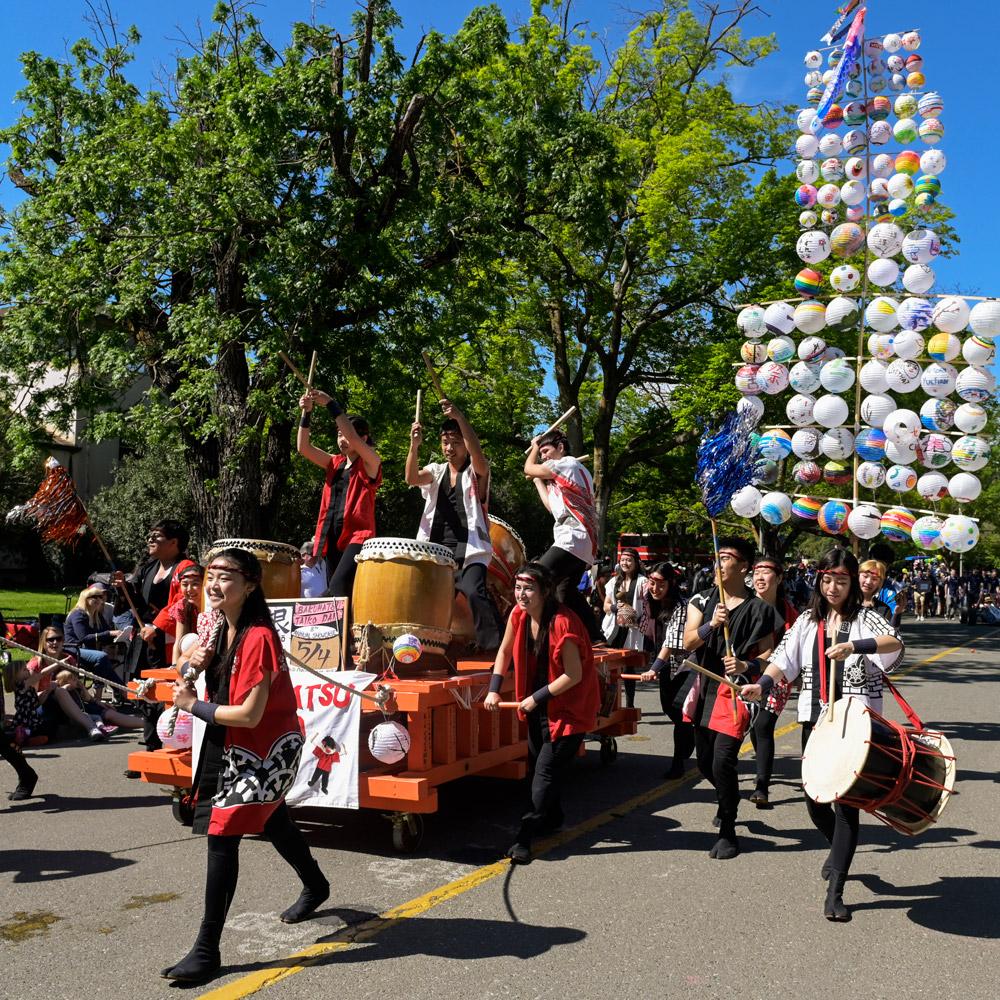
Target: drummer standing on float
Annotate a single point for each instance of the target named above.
(456, 494)
(347, 509)
(566, 489)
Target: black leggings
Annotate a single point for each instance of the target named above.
(683, 731)
(718, 761)
(340, 571)
(16, 760)
(566, 570)
(838, 823)
(471, 581)
(762, 737)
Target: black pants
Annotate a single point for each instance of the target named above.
(471, 581)
(838, 823)
(340, 571)
(16, 760)
(683, 731)
(718, 756)
(566, 570)
(762, 737)
(320, 777)
(549, 760)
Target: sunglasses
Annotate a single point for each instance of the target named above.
(51, 640)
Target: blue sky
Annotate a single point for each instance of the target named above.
(957, 49)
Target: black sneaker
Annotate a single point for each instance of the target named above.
(519, 854)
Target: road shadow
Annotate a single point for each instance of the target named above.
(54, 803)
(51, 866)
(960, 905)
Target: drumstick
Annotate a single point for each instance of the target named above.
(705, 672)
(509, 704)
(419, 401)
(312, 369)
(631, 677)
(433, 375)
(558, 423)
(288, 361)
(833, 691)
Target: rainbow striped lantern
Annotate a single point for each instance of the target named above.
(865, 521)
(389, 742)
(926, 533)
(833, 516)
(407, 648)
(897, 523)
(807, 508)
(959, 533)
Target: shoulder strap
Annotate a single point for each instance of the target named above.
(908, 711)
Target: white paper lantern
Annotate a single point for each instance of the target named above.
(878, 190)
(933, 162)
(810, 317)
(871, 475)
(750, 321)
(855, 141)
(780, 349)
(811, 348)
(970, 453)
(183, 729)
(804, 376)
(911, 40)
(853, 192)
(885, 239)
(883, 271)
(880, 132)
(831, 144)
(807, 171)
(880, 346)
(865, 521)
(908, 344)
(813, 246)
(779, 317)
(842, 313)
(951, 314)
(828, 196)
(900, 478)
(855, 169)
(926, 533)
(845, 277)
(837, 376)
(932, 131)
(807, 146)
(808, 219)
(753, 352)
(984, 318)
(971, 418)
(892, 42)
(746, 379)
(901, 454)
(389, 742)
(751, 408)
(814, 60)
(938, 414)
(918, 278)
(934, 451)
(832, 169)
(746, 502)
(805, 443)
(944, 346)
(897, 82)
(876, 408)
(921, 246)
(830, 411)
(881, 313)
(959, 533)
(799, 409)
(775, 508)
(884, 165)
(964, 487)
(772, 378)
(900, 186)
(774, 445)
(914, 314)
(837, 443)
(977, 350)
(933, 486)
(873, 376)
(938, 379)
(903, 376)
(902, 426)
(804, 120)
(975, 384)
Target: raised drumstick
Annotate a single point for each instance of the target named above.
(288, 361)
(420, 399)
(433, 375)
(558, 423)
(312, 369)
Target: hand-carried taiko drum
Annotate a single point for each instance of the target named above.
(279, 563)
(904, 776)
(405, 586)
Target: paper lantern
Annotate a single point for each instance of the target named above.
(934, 451)
(878, 191)
(389, 742)
(837, 443)
(975, 384)
(914, 63)
(933, 161)
(753, 352)
(807, 146)
(927, 184)
(830, 411)
(903, 376)
(831, 145)
(779, 317)
(926, 533)
(873, 376)
(807, 508)
(810, 317)
(905, 130)
(951, 314)
(829, 217)
(746, 502)
(897, 82)
(915, 80)
(780, 349)
(876, 408)
(836, 473)
(811, 348)
(870, 475)
(837, 376)
(746, 379)
(828, 196)
(870, 444)
(805, 196)
(853, 192)
(932, 131)
(883, 166)
(814, 95)
(808, 219)
(970, 453)
(971, 418)
(855, 142)
(914, 314)
(854, 113)
(880, 347)
(808, 282)
(832, 169)
(750, 321)
(183, 732)
(937, 414)
(775, 508)
(804, 120)
(964, 487)
(900, 186)
(911, 40)
(804, 376)
(908, 344)
(807, 172)
(846, 240)
(905, 106)
(901, 426)
(854, 169)
(772, 378)
(881, 313)
(978, 350)
(805, 443)
(865, 521)
(944, 346)
(407, 648)
(900, 478)
(853, 88)
(892, 42)
(959, 533)
(832, 353)
(883, 271)
(813, 59)
(924, 201)
(897, 523)
(813, 246)
(885, 239)
(933, 486)
(842, 314)
(901, 453)
(907, 162)
(880, 133)
(751, 408)
(918, 278)
(938, 379)
(984, 318)
(806, 472)
(799, 409)
(833, 516)
(921, 246)
(765, 472)
(931, 105)
(897, 208)
(845, 277)
(775, 445)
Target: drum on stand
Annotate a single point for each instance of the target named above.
(509, 554)
(903, 776)
(279, 563)
(405, 586)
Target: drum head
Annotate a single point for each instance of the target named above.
(837, 751)
(266, 551)
(406, 549)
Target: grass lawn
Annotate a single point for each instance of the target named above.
(29, 603)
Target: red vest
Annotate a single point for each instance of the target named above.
(359, 505)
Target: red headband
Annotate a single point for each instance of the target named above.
(525, 578)
(767, 562)
(835, 572)
(231, 569)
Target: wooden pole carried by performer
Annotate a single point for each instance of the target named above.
(433, 375)
(556, 424)
(712, 676)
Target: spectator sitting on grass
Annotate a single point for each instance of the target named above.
(33, 687)
(88, 627)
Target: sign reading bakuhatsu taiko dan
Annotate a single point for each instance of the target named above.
(311, 629)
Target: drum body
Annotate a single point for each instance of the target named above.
(279, 562)
(902, 775)
(403, 585)
(509, 554)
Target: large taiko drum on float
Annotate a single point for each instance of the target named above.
(902, 775)
(509, 554)
(405, 586)
(279, 563)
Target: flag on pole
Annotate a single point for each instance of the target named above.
(838, 29)
(852, 49)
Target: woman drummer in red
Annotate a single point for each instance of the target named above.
(250, 752)
(556, 685)
(840, 643)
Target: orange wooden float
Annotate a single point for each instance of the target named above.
(451, 736)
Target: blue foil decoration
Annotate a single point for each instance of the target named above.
(725, 462)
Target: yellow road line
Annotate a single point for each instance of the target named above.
(252, 983)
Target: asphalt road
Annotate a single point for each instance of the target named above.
(101, 887)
